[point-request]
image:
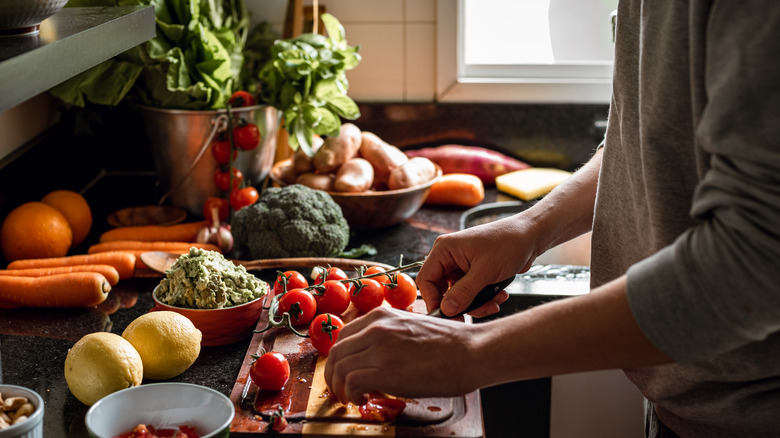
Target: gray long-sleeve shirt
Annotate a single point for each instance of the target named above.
(689, 207)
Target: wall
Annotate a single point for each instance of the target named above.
(396, 39)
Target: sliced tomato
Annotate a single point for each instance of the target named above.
(382, 409)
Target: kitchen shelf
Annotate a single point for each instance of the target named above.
(69, 42)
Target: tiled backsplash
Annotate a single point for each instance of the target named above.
(397, 40)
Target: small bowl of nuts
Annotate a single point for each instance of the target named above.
(21, 412)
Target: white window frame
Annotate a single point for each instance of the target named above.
(560, 83)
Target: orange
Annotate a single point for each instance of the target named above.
(75, 209)
(35, 230)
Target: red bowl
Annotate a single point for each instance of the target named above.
(219, 326)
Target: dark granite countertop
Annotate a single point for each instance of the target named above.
(35, 342)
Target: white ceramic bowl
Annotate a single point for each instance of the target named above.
(32, 427)
(162, 405)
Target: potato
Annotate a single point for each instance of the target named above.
(382, 155)
(302, 161)
(286, 172)
(354, 176)
(319, 181)
(416, 171)
(335, 151)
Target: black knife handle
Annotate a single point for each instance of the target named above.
(486, 294)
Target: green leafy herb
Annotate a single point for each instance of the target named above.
(306, 79)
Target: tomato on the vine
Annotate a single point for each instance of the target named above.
(241, 98)
(369, 296)
(240, 198)
(270, 371)
(402, 293)
(332, 297)
(332, 273)
(384, 280)
(246, 136)
(221, 204)
(222, 179)
(300, 304)
(324, 331)
(220, 149)
(294, 280)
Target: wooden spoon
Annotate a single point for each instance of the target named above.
(161, 261)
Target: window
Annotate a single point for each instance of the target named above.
(524, 51)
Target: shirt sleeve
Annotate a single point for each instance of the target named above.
(718, 285)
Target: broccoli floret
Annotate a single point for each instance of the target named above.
(292, 221)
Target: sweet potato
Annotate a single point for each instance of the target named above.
(382, 155)
(416, 171)
(485, 163)
(458, 189)
(335, 151)
(354, 176)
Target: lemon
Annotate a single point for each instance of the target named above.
(99, 364)
(167, 341)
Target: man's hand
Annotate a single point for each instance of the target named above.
(401, 353)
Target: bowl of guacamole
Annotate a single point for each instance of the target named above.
(221, 299)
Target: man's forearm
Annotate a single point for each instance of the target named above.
(567, 211)
(583, 333)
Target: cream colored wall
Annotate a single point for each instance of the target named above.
(397, 40)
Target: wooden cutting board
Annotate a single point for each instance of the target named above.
(310, 410)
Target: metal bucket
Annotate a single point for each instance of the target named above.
(180, 141)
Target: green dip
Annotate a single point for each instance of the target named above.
(206, 280)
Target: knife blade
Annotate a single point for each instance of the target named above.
(483, 296)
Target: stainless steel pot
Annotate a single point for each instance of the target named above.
(180, 141)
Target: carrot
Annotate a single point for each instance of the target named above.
(123, 261)
(139, 247)
(458, 189)
(75, 289)
(485, 163)
(185, 232)
(108, 271)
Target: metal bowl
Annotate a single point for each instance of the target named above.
(25, 16)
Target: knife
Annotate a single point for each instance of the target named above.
(486, 294)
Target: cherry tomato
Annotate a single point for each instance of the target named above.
(332, 273)
(332, 297)
(403, 293)
(246, 136)
(294, 279)
(300, 304)
(324, 331)
(369, 296)
(240, 198)
(222, 207)
(382, 409)
(241, 98)
(270, 371)
(220, 149)
(222, 179)
(384, 280)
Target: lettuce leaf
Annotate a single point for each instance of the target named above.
(194, 61)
